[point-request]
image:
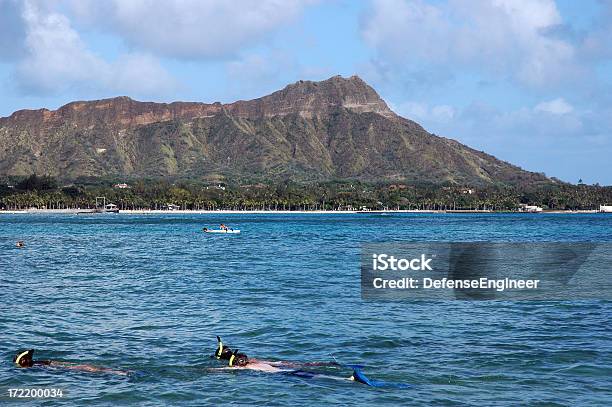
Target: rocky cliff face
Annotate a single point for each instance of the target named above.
(310, 99)
(338, 128)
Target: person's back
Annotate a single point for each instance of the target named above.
(25, 360)
(242, 361)
(238, 360)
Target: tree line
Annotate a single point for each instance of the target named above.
(45, 192)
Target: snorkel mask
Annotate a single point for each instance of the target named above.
(238, 359)
(24, 359)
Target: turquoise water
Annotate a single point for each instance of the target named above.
(149, 294)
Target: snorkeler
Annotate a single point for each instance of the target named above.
(241, 360)
(20, 244)
(238, 360)
(25, 359)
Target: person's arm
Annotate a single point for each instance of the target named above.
(87, 368)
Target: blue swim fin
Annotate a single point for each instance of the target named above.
(360, 377)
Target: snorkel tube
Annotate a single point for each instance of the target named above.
(232, 356)
(231, 359)
(223, 352)
(219, 351)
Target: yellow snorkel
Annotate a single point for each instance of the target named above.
(219, 348)
(231, 359)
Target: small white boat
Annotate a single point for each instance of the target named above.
(231, 231)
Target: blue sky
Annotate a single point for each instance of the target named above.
(529, 81)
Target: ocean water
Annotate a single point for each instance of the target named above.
(149, 294)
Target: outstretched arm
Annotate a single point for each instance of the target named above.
(88, 368)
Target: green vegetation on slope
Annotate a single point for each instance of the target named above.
(47, 192)
(308, 132)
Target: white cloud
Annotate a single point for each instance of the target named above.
(261, 68)
(418, 111)
(257, 74)
(557, 107)
(559, 144)
(547, 122)
(51, 56)
(140, 74)
(443, 112)
(55, 53)
(481, 125)
(506, 37)
(189, 28)
(56, 58)
(411, 110)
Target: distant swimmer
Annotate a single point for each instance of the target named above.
(20, 244)
(238, 360)
(25, 359)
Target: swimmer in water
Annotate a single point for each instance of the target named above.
(242, 361)
(238, 360)
(20, 244)
(25, 359)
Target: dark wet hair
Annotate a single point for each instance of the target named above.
(24, 358)
(226, 353)
(223, 352)
(238, 359)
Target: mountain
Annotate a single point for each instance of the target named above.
(339, 128)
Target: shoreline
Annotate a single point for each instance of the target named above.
(280, 212)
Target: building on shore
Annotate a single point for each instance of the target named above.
(605, 208)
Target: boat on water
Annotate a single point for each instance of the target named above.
(104, 208)
(94, 211)
(227, 231)
(110, 208)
